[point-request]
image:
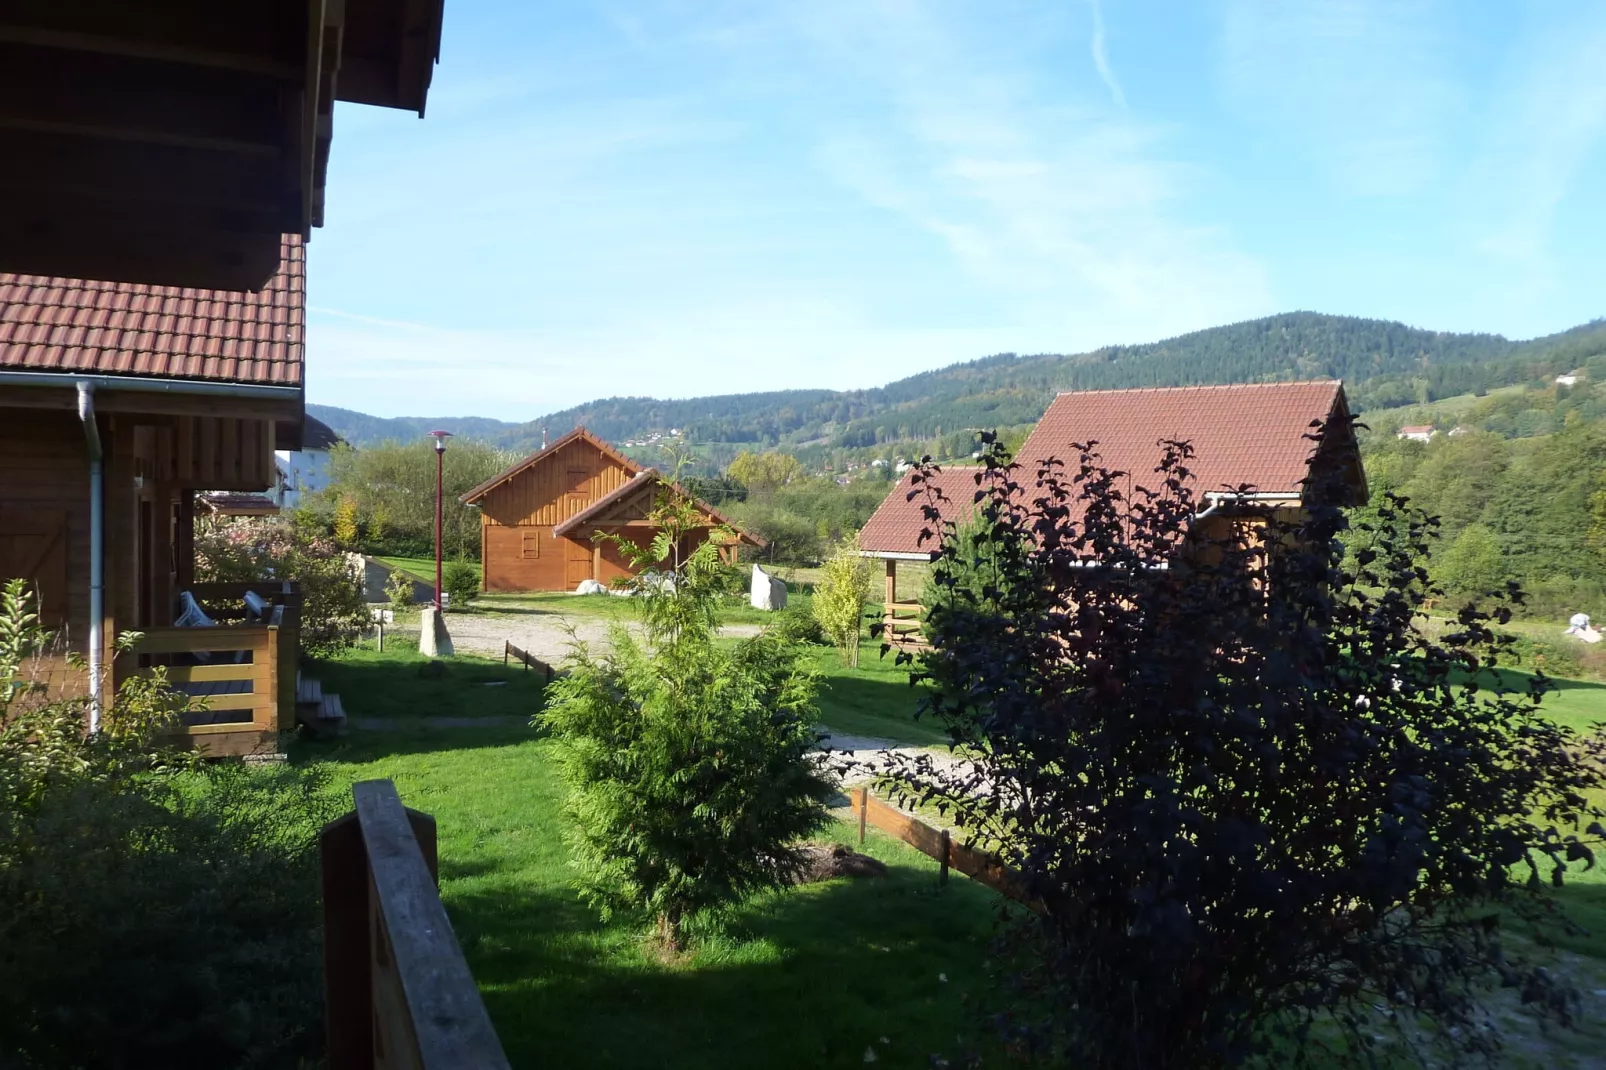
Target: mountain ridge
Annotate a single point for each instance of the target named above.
(1383, 363)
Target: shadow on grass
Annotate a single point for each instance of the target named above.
(875, 703)
(803, 978)
(397, 689)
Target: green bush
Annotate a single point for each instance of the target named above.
(461, 582)
(687, 761)
(840, 598)
(158, 912)
(244, 550)
(797, 624)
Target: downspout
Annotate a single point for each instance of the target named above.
(97, 547)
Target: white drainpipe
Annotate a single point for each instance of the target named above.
(97, 549)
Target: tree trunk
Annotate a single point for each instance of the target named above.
(669, 937)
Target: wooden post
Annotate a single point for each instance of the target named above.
(505, 645)
(892, 581)
(864, 811)
(942, 874)
(269, 710)
(347, 945)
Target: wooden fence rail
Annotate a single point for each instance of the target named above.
(530, 661)
(397, 991)
(938, 843)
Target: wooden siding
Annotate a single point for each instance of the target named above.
(547, 493)
(519, 551)
(44, 483)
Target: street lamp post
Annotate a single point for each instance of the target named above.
(440, 438)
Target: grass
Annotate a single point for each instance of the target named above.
(804, 978)
(807, 977)
(421, 569)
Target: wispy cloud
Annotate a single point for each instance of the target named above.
(1101, 55)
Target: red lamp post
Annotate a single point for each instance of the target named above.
(440, 438)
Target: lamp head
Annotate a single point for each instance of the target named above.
(440, 438)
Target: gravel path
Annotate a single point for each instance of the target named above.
(544, 634)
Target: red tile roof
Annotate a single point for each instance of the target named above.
(52, 324)
(1244, 434)
(896, 525)
(1252, 433)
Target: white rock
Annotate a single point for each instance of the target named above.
(590, 587)
(766, 592)
(434, 641)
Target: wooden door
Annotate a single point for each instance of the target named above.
(33, 547)
(576, 563)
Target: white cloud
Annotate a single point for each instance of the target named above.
(1101, 55)
(1362, 87)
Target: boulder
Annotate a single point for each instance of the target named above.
(590, 587)
(434, 641)
(766, 592)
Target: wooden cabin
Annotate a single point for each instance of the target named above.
(119, 404)
(175, 141)
(1255, 434)
(546, 522)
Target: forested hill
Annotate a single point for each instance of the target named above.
(1383, 364)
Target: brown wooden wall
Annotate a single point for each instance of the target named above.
(554, 489)
(519, 551)
(44, 518)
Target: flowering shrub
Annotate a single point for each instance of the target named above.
(251, 549)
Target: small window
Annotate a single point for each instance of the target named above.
(578, 481)
(532, 545)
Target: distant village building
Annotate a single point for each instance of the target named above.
(1570, 379)
(305, 471)
(1458, 429)
(548, 522)
(1417, 432)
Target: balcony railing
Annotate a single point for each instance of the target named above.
(901, 626)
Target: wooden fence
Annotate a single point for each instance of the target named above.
(398, 993)
(901, 626)
(938, 843)
(529, 660)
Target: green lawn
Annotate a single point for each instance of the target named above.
(420, 568)
(805, 978)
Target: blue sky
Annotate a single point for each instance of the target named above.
(684, 197)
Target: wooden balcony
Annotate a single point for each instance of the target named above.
(398, 992)
(241, 674)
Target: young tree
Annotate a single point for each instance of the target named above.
(839, 599)
(1263, 815)
(687, 761)
(1472, 564)
(762, 473)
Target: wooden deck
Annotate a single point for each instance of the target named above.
(232, 672)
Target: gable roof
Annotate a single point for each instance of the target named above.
(894, 528)
(1243, 434)
(1247, 433)
(50, 324)
(597, 511)
(579, 434)
(317, 435)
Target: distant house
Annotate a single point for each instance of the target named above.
(1252, 434)
(545, 521)
(306, 470)
(1417, 432)
(1570, 379)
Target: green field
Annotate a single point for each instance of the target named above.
(805, 978)
(809, 977)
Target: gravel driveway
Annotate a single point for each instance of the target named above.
(543, 633)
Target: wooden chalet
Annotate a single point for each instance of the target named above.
(120, 404)
(1254, 434)
(545, 521)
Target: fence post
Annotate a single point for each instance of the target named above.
(347, 948)
(864, 811)
(942, 874)
(505, 644)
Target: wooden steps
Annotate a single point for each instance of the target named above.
(320, 714)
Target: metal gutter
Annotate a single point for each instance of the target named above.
(210, 388)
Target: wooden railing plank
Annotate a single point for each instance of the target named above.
(939, 844)
(427, 1012)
